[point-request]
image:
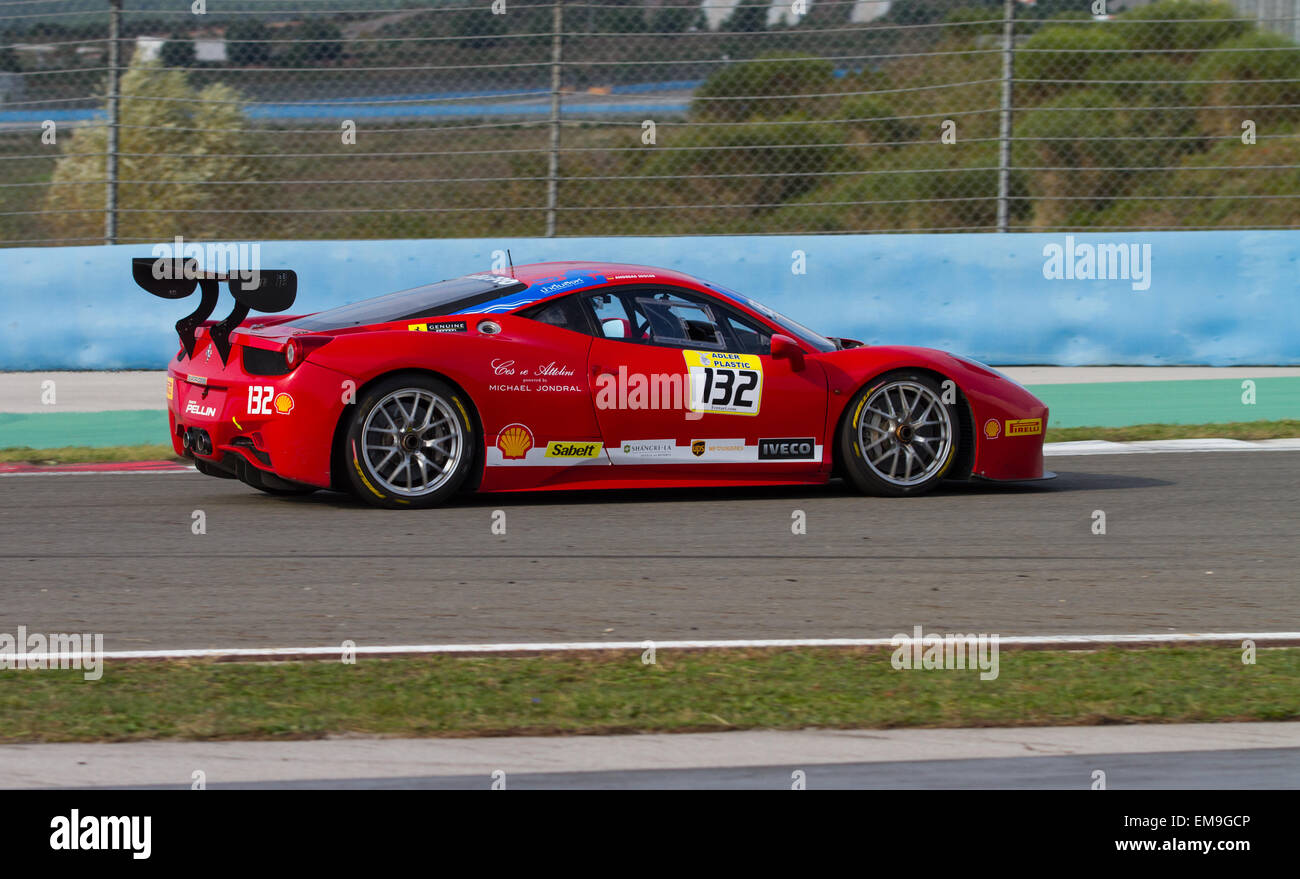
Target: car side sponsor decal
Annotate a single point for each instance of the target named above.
(193, 408)
(660, 448)
(549, 377)
(992, 429)
(514, 441)
(263, 400)
(1024, 426)
(171, 387)
(454, 326)
(516, 447)
(563, 449)
(793, 449)
(724, 383)
(715, 450)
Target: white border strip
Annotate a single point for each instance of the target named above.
(99, 472)
(1103, 447)
(1069, 642)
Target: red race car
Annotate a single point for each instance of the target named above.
(569, 375)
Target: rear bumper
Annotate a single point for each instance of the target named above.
(257, 427)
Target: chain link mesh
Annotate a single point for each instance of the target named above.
(299, 119)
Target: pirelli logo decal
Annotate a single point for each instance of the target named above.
(1024, 426)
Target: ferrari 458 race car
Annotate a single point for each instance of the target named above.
(569, 375)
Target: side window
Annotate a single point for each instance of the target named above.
(612, 317)
(671, 319)
(564, 313)
(680, 324)
(750, 338)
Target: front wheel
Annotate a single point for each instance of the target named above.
(409, 442)
(900, 437)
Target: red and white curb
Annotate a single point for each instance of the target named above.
(333, 651)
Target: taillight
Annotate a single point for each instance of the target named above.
(299, 348)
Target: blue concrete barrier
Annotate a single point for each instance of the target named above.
(1211, 298)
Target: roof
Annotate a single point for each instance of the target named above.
(546, 280)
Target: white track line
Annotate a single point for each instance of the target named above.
(1066, 642)
(1102, 447)
(100, 472)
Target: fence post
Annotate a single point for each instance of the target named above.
(1004, 115)
(110, 163)
(553, 169)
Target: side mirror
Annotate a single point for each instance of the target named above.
(785, 348)
(612, 328)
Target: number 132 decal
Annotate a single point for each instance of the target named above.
(730, 384)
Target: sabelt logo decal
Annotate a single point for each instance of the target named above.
(514, 441)
(203, 411)
(567, 449)
(992, 429)
(1024, 426)
(171, 388)
(797, 449)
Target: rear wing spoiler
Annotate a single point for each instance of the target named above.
(269, 290)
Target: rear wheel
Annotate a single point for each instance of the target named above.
(409, 442)
(900, 437)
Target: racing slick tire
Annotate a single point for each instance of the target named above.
(409, 442)
(900, 437)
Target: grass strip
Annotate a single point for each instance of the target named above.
(614, 692)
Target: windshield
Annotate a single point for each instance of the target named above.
(793, 327)
(431, 300)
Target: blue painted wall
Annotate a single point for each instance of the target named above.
(1215, 298)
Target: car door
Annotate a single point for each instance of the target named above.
(685, 386)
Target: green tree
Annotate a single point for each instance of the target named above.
(1069, 53)
(770, 86)
(157, 148)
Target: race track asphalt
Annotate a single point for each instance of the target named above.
(1193, 542)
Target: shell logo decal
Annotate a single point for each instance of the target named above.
(283, 403)
(514, 441)
(992, 428)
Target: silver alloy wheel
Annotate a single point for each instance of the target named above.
(905, 433)
(412, 442)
